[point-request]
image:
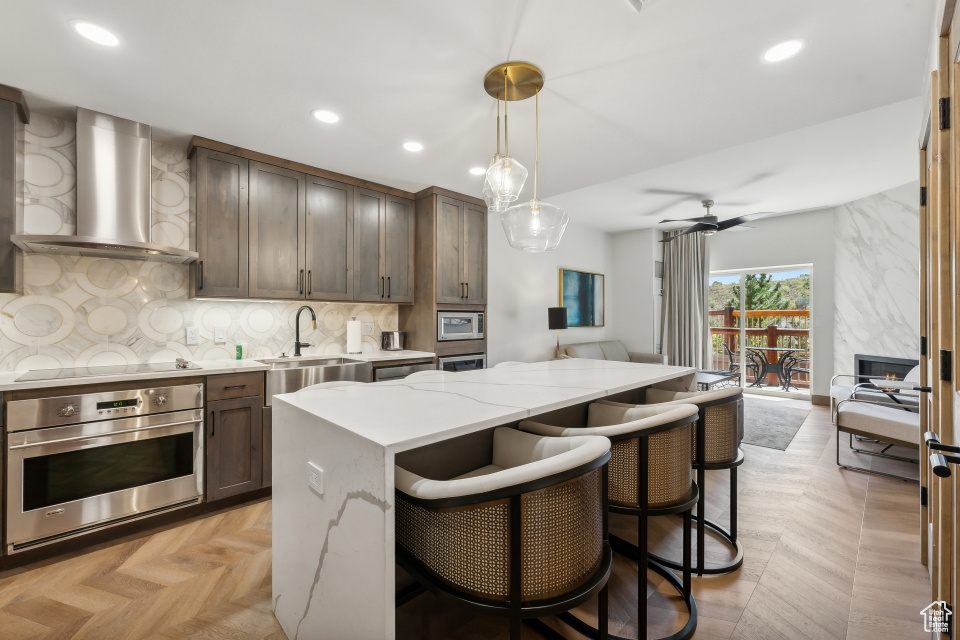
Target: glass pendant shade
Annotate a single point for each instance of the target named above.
(505, 179)
(494, 204)
(534, 226)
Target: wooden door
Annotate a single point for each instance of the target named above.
(329, 240)
(474, 253)
(398, 244)
(450, 283)
(277, 211)
(369, 280)
(221, 225)
(234, 446)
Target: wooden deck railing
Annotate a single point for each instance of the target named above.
(786, 328)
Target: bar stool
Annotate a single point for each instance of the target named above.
(651, 474)
(718, 434)
(523, 537)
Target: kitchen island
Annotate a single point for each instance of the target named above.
(333, 465)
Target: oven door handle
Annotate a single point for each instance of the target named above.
(91, 436)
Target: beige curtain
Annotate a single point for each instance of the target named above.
(684, 318)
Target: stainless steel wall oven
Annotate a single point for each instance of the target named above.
(84, 462)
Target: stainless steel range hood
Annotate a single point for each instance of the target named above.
(113, 196)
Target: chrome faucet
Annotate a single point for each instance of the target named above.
(296, 323)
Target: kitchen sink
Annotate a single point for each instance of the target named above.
(287, 375)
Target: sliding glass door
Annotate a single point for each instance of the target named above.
(760, 328)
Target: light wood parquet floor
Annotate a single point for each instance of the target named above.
(829, 554)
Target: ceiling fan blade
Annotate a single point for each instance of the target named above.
(732, 222)
(694, 229)
(683, 220)
(739, 228)
(673, 192)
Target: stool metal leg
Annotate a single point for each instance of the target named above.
(642, 541)
(687, 540)
(701, 518)
(733, 504)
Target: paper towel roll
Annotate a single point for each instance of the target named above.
(354, 337)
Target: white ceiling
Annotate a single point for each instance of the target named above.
(672, 98)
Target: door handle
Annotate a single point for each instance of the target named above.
(461, 291)
(468, 291)
(200, 275)
(309, 281)
(213, 423)
(300, 281)
(388, 286)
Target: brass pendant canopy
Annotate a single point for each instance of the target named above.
(523, 81)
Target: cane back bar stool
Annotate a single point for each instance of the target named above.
(650, 475)
(718, 434)
(523, 537)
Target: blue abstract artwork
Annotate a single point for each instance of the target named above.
(582, 294)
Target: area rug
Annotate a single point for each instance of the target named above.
(766, 423)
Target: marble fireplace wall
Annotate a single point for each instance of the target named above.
(877, 277)
(94, 311)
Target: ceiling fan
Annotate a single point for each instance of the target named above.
(709, 224)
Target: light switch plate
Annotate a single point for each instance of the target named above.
(315, 478)
(366, 328)
(219, 335)
(193, 335)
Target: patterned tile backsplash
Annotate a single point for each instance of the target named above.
(94, 311)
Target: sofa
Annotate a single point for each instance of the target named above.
(610, 350)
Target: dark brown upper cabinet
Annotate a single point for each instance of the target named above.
(461, 252)
(13, 115)
(383, 236)
(329, 240)
(220, 196)
(277, 221)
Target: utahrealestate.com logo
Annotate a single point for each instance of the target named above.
(936, 617)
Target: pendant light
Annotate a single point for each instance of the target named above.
(494, 204)
(505, 177)
(533, 226)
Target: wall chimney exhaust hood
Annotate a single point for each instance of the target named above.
(113, 196)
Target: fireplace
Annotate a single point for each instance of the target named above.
(882, 366)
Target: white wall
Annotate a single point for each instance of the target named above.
(865, 278)
(523, 285)
(637, 291)
(803, 238)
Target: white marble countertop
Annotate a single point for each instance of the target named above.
(405, 414)
(385, 356)
(8, 379)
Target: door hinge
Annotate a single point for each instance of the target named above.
(923, 345)
(944, 114)
(946, 365)
(923, 196)
(923, 496)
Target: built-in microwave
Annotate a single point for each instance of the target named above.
(459, 325)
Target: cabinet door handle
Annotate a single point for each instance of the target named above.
(468, 291)
(382, 286)
(309, 281)
(200, 275)
(388, 286)
(213, 423)
(300, 281)
(461, 291)
(235, 386)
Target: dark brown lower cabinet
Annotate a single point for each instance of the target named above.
(234, 447)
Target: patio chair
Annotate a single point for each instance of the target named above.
(752, 366)
(793, 366)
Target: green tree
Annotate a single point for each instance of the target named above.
(762, 292)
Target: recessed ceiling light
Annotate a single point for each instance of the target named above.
(782, 51)
(478, 171)
(96, 33)
(413, 146)
(325, 116)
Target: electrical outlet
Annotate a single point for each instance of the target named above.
(315, 478)
(366, 328)
(219, 335)
(193, 335)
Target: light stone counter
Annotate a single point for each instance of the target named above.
(8, 379)
(387, 356)
(333, 554)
